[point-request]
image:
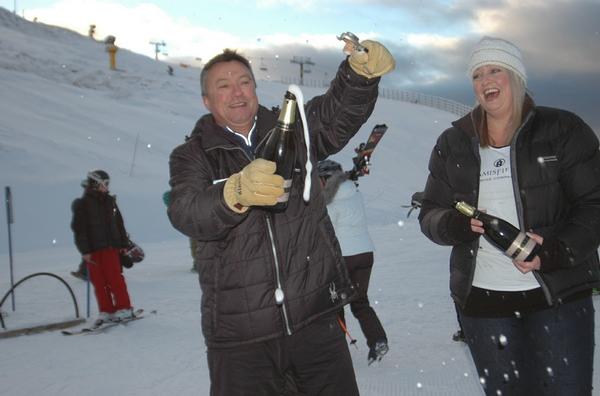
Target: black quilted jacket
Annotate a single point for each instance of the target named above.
(243, 258)
(556, 179)
(97, 222)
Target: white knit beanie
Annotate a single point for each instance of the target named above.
(496, 51)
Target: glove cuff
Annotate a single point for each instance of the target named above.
(230, 194)
(359, 68)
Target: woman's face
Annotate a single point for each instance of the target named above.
(491, 85)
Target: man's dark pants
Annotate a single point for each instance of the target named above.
(313, 361)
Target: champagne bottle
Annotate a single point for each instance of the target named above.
(280, 147)
(500, 233)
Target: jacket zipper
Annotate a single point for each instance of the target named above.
(519, 202)
(279, 288)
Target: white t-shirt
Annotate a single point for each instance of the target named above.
(493, 270)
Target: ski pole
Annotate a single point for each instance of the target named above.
(9, 221)
(345, 330)
(88, 289)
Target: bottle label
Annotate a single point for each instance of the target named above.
(287, 186)
(521, 247)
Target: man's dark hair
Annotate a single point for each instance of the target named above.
(228, 55)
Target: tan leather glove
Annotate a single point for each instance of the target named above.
(377, 62)
(256, 185)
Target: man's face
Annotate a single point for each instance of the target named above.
(231, 96)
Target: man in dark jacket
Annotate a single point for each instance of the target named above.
(272, 283)
(99, 236)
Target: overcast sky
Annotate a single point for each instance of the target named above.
(431, 40)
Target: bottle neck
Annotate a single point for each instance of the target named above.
(466, 209)
(287, 117)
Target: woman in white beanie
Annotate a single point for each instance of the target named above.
(529, 324)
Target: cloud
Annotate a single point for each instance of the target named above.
(431, 44)
(432, 41)
(297, 4)
(136, 26)
(555, 36)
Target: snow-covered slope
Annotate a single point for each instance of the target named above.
(63, 112)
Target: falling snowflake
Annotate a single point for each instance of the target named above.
(502, 340)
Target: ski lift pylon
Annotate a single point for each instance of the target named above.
(262, 65)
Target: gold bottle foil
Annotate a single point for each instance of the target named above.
(465, 208)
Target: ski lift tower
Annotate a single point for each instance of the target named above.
(262, 65)
(302, 61)
(157, 45)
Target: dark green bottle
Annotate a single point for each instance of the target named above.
(280, 147)
(509, 239)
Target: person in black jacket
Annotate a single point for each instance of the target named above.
(529, 324)
(100, 236)
(272, 283)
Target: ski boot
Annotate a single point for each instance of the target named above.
(103, 317)
(459, 336)
(123, 314)
(79, 275)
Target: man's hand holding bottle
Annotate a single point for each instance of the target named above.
(256, 185)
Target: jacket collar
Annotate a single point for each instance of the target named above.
(212, 135)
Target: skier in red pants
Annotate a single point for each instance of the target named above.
(100, 235)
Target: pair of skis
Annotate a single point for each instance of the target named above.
(362, 160)
(137, 314)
